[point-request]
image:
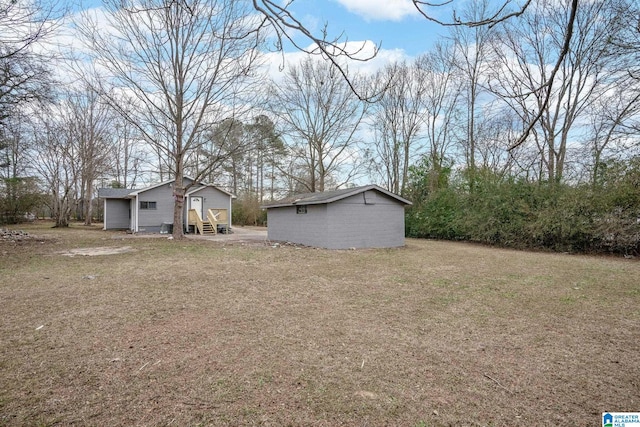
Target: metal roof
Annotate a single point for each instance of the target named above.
(330, 196)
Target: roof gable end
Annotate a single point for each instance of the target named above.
(331, 196)
(125, 193)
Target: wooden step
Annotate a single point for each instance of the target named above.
(207, 228)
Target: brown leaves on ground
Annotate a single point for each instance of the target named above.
(199, 332)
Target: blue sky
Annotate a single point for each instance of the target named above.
(393, 23)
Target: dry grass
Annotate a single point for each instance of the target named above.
(203, 333)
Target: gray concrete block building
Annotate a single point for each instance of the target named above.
(359, 217)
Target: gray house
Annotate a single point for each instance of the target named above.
(147, 209)
(361, 217)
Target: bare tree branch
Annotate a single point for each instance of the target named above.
(334, 49)
(548, 85)
(499, 16)
(22, 24)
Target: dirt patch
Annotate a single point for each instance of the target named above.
(105, 250)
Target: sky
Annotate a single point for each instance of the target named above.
(393, 24)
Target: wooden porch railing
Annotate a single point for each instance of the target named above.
(195, 220)
(218, 216)
(210, 226)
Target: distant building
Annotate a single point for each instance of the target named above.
(147, 209)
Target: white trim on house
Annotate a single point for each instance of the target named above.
(104, 214)
(134, 216)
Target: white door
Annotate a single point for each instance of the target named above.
(196, 203)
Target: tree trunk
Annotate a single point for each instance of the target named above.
(178, 207)
(88, 205)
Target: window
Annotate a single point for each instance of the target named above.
(147, 205)
(301, 209)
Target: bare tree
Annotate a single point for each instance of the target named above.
(625, 49)
(25, 23)
(440, 105)
(19, 192)
(89, 122)
(494, 128)
(397, 121)
(57, 161)
(23, 79)
(611, 116)
(24, 73)
(627, 39)
(334, 47)
(320, 114)
(526, 53)
(128, 157)
(503, 11)
(13, 147)
(472, 56)
(180, 67)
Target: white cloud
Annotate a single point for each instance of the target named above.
(278, 62)
(380, 10)
(370, 64)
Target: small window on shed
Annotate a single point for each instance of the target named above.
(301, 209)
(370, 197)
(147, 205)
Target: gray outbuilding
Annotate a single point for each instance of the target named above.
(359, 217)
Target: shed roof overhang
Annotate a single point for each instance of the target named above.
(331, 196)
(115, 193)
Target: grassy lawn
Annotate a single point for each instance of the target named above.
(193, 332)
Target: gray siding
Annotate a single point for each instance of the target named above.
(365, 220)
(353, 223)
(285, 225)
(116, 214)
(213, 199)
(151, 219)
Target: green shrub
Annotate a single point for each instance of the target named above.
(597, 218)
(246, 211)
